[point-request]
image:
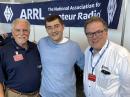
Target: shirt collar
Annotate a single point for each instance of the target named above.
(64, 40)
(17, 47)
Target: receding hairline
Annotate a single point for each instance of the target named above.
(16, 21)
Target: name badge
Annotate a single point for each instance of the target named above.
(91, 77)
(18, 57)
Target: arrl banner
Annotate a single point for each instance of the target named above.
(74, 13)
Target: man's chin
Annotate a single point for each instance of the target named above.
(54, 38)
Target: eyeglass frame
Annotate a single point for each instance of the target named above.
(96, 33)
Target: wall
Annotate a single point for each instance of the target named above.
(127, 27)
(77, 33)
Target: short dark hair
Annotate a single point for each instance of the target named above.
(52, 18)
(96, 19)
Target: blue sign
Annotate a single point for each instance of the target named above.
(73, 12)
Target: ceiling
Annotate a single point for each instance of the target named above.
(23, 1)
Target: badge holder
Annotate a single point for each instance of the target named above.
(91, 77)
(18, 57)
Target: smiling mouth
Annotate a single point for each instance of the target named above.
(21, 37)
(55, 34)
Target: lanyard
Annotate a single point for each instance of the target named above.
(93, 67)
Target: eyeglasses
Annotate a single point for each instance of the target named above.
(96, 33)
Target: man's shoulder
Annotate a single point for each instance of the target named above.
(73, 42)
(5, 48)
(43, 39)
(118, 49)
(74, 45)
(7, 45)
(32, 45)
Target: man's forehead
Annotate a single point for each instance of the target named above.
(54, 22)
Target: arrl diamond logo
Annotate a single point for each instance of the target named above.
(111, 9)
(8, 13)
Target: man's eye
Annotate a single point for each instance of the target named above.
(25, 30)
(18, 30)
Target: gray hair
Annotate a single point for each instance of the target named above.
(17, 20)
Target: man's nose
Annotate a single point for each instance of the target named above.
(53, 29)
(21, 32)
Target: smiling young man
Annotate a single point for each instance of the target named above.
(20, 65)
(107, 65)
(58, 56)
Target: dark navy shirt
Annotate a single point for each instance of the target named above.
(1, 40)
(22, 72)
